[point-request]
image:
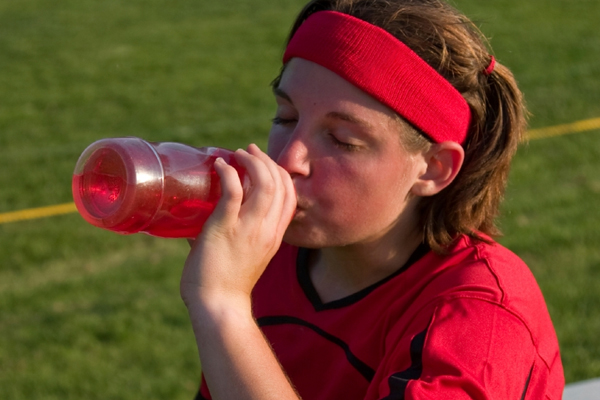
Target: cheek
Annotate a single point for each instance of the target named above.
(342, 188)
(275, 145)
(378, 188)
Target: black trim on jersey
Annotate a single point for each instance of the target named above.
(527, 383)
(359, 365)
(398, 381)
(309, 290)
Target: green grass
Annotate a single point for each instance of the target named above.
(551, 221)
(89, 314)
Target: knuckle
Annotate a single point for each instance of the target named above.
(236, 195)
(268, 187)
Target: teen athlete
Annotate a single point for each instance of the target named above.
(387, 159)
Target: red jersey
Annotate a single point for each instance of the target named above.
(468, 325)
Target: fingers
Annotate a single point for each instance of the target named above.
(286, 197)
(245, 230)
(289, 204)
(260, 170)
(228, 207)
(270, 201)
(268, 182)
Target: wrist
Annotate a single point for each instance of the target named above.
(215, 311)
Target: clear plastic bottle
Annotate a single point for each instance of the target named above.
(165, 189)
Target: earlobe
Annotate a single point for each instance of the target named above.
(442, 163)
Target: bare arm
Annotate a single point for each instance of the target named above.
(224, 264)
(237, 362)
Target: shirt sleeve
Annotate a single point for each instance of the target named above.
(470, 349)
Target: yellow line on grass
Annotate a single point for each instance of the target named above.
(35, 213)
(42, 212)
(575, 127)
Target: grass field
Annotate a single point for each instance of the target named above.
(85, 313)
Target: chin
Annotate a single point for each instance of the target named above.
(296, 236)
(311, 239)
(305, 242)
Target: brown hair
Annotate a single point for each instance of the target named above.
(449, 42)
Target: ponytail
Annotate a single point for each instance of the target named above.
(470, 204)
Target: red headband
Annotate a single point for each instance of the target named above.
(381, 65)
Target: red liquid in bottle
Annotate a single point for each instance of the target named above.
(166, 189)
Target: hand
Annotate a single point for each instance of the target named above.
(225, 262)
(243, 233)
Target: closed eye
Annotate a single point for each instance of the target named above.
(283, 121)
(343, 145)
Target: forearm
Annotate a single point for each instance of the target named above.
(225, 262)
(237, 362)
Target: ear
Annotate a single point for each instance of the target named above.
(442, 163)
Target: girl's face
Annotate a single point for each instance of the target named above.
(343, 151)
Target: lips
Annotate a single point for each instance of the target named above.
(301, 207)
(301, 204)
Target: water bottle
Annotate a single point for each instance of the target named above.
(128, 185)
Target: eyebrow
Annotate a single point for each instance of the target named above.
(350, 118)
(277, 91)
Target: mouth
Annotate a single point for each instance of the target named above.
(301, 204)
(301, 207)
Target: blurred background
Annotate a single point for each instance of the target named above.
(85, 313)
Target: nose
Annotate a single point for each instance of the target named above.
(292, 154)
